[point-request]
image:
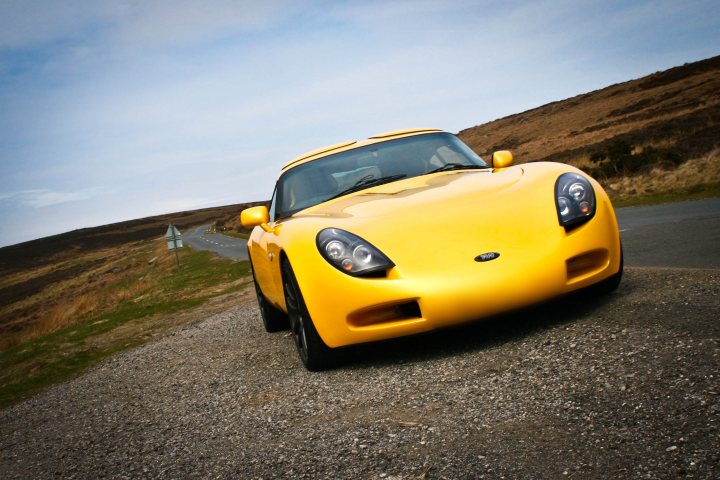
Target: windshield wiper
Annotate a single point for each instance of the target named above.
(457, 166)
(367, 182)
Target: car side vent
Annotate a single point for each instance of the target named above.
(398, 312)
(584, 265)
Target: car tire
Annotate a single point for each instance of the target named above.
(315, 355)
(273, 319)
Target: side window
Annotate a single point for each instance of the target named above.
(273, 204)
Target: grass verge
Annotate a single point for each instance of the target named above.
(696, 192)
(130, 309)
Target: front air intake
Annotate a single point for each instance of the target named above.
(397, 312)
(582, 266)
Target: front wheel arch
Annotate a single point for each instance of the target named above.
(313, 352)
(274, 320)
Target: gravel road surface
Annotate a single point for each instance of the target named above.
(624, 386)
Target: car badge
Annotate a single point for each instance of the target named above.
(486, 257)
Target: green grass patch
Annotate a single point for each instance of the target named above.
(697, 192)
(29, 367)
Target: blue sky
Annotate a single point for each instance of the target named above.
(114, 110)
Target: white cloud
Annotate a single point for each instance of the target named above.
(30, 23)
(41, 198)
(147, 23)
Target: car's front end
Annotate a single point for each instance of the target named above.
(461, 246)
(411, 232)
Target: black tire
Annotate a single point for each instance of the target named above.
(313, 352)
(610, 284)
(273, 319)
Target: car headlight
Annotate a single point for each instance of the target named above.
(351, 254)
(574, 199)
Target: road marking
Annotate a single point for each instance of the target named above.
(624, 230)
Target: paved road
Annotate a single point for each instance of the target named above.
(228, 247)
(685, 234)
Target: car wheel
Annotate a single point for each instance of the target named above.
(314, 354)
(273, 319)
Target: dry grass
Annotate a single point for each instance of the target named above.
(55, 322)
(678, 108)
(61, 316)
(699, 171)
(45, 303)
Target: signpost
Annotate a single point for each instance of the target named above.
(174, 241)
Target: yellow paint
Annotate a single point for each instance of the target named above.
(502, 159)
(432, 227)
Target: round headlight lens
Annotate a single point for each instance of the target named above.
(577, 191)
(335, 249)
(563, 206)
(362, 254)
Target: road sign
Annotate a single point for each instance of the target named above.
(174, 241)
(173, 237)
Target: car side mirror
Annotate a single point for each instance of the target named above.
(254, 216)
(502, 159)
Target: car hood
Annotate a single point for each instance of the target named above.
(432, 212)
(447, 219)
(413, 196)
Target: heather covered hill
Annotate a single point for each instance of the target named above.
(66, 245)
(677, 110)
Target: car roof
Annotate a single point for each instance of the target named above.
(352, 144)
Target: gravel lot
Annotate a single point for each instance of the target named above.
(620, 387)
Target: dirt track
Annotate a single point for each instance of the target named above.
(622, 387)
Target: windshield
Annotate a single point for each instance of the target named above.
(342, 173)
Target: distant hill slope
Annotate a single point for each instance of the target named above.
(678, 108)
(51, 249)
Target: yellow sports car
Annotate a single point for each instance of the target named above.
(409, 231)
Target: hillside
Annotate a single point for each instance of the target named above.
(56, 248)
(678, 108)
(52, 282)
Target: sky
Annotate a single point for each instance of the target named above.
(116, 110)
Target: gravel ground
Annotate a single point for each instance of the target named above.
(620, 387)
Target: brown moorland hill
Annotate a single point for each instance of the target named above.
(54, 282)
(56, 248)
(677, 109)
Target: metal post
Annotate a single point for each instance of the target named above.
(177, 255)
(174, 241)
